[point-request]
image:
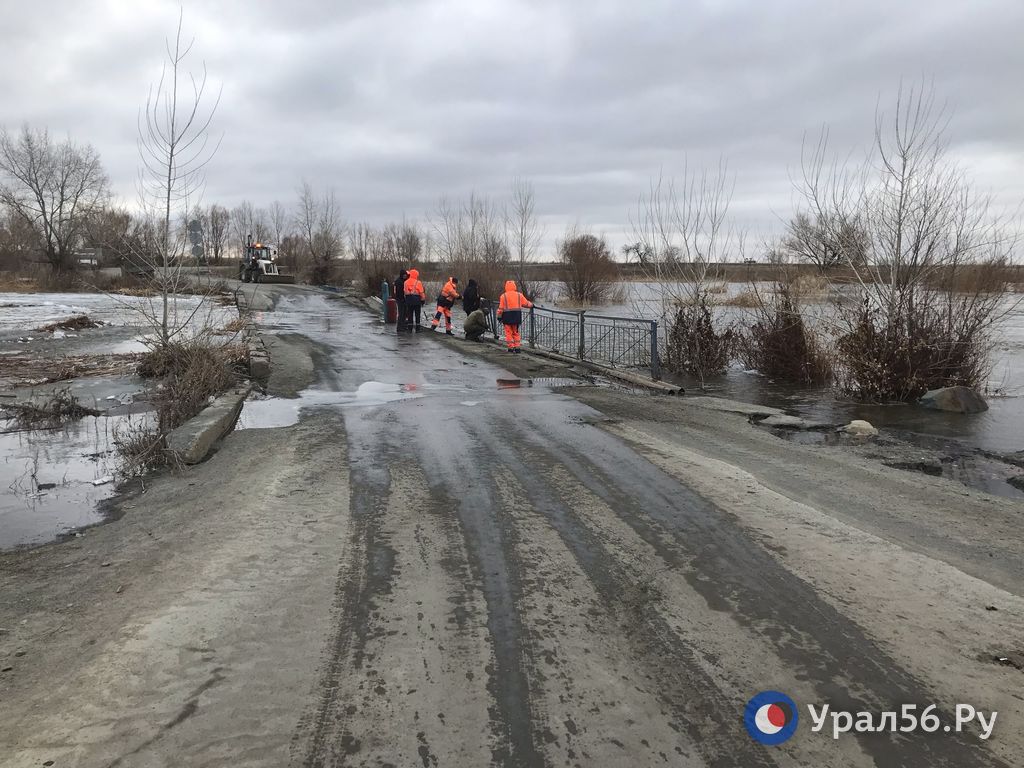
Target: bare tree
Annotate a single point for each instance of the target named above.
(683, 230)
(279, 222)
(217, 229)
(523, 227)
(825, 243)
(53, 188)
(644, 255)
(246, 220)
(319, 224)
(381, 253)
(174, 147)
(932, 280)
(18, 240)
(471, 239)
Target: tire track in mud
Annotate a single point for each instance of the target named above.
(489, 543)
(468, 622)
(363, 576)
(694, 702)
(600, 705)
(736, 574)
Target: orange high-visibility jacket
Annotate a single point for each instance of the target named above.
(413, 286)
(511, 305)
(449, 294)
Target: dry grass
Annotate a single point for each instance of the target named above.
(140, 448)
(747, 299)
(237, 325)
(809, 287)
(16, 283)
(191, 374)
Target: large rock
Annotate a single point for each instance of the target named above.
(954, 400)
(859, 428)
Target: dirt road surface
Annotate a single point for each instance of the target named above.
(422, 553)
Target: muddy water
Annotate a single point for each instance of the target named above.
(52, 481)
(47, 476)
(999, 430)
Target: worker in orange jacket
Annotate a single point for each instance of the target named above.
(510, 313)
(415, 296)
(449, 295)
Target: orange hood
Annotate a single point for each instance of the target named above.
(414, 274)
(510, 285)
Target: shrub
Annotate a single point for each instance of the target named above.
(694, 345)
(191, 372)
(589, 273)
(899, 354)
(780, 345)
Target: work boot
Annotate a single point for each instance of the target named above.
(449, 332)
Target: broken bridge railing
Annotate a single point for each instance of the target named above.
(621, 342)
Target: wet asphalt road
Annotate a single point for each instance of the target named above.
(521, 588)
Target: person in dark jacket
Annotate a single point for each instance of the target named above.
(398, 290)
(471, 298)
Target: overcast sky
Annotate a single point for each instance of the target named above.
(396, 102)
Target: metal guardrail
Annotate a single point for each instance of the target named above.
(621, 342)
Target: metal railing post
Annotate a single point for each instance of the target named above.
(655, 362)
(533, 330)
(583, 335)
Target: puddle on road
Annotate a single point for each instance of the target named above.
(273, 412)
(284, 412)
(47, 477)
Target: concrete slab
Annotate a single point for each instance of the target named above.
(732, 406)
(193, 440)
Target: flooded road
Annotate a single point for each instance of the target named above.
(433, 555)
(523, 588)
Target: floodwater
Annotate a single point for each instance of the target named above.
(1000, 429)
(25, 312)
(52, 481)
(50, 478)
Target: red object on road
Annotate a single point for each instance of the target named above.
(391, 315)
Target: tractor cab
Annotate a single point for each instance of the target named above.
(257, 264)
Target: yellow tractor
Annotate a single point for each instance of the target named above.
(257, 265)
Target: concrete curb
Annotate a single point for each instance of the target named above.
(192, 441)
(259, 359)
(615, 373)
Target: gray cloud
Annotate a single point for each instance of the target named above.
(396, 103)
